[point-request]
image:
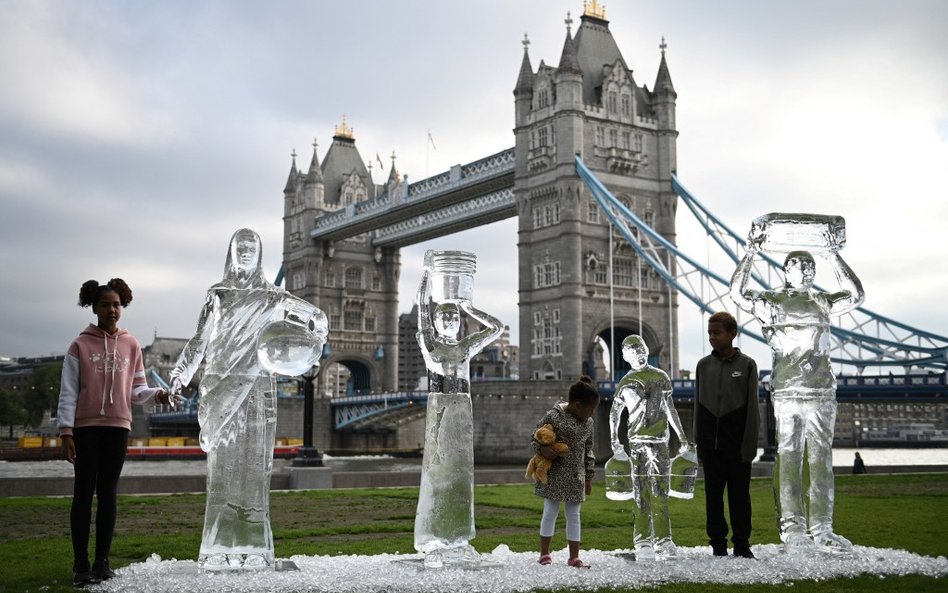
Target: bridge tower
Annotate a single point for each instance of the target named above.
(591, 105)
(355, 283)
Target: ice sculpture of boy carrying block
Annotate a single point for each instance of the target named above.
(444, 521)
(796, 322)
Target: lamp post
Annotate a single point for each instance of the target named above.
(308, 455)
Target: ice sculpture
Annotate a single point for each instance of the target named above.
(643, 474)
(444, 521)
(796, 322)
(247, 330)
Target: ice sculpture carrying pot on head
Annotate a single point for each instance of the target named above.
(444, 521)
(796, 322)
(248, 330)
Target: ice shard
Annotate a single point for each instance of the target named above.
(444, 521)
(247, 331)
(645, 393)
(796, 322)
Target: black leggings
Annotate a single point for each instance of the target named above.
(100, 455)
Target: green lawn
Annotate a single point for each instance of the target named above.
(894, 511)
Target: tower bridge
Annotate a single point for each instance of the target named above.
(592, 180)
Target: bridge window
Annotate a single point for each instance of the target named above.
(599, 275)
(613, 138)
(354, 277)
(330, 279)
(626, 140)
(592, 212)
(543, 98)
(624, 274)
(376, 283)
(626, 105)
(600, 136)
(298, 280)
(370, 324)
(542, 136)
(352, 320)
(547, 274)
(612, 102)
(638, 143)
(333, 321)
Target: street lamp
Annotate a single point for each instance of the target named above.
(308, 455)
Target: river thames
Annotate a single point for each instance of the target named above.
(876, 460)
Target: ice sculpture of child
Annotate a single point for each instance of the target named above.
(646, 393)
(444, 522)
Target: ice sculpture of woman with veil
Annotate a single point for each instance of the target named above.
(237, 411)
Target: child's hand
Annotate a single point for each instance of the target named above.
(69, 448)
(548, 452)
(589, 487)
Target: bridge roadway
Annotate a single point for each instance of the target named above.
(466, 196)
(362, 411)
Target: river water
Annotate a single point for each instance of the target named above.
(874, 458)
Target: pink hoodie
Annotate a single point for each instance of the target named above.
(103, 375)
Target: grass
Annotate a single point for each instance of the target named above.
(892, 511)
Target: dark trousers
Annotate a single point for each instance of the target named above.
(100, 455)
(725, 470)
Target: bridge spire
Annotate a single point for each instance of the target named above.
(663, 81)
(315, 174)
(294, 173)
(525, 78)
(393, 174)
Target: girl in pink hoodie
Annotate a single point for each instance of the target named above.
(103, 375)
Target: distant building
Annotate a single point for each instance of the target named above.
(161, 355)
(411, 364)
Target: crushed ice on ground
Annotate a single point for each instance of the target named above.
(518, 572)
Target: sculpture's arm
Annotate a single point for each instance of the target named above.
(193, 353)
(852, 294)
(423, 299)
(740, 294)
(615, 417)
(673, 417)
(493, 327)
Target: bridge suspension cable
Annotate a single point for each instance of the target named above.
(861, 339)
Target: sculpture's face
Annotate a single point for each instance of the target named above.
(635, 352)
(799, 271)
(245, 253)
(447, 320)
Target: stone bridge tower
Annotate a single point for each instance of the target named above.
(591, 105)
(355, 284)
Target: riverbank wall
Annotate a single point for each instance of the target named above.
(327, 478)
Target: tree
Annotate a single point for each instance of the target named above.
(12, 412)
(42, 393)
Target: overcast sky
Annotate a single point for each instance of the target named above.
(135, 137)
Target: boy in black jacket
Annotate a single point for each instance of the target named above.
(726, 423)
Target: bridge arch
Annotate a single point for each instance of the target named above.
(623, 327)
(362, 375)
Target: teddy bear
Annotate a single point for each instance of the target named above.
(539, 465)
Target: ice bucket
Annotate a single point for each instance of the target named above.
(452, 276)
(684, 473)
(289, 346)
